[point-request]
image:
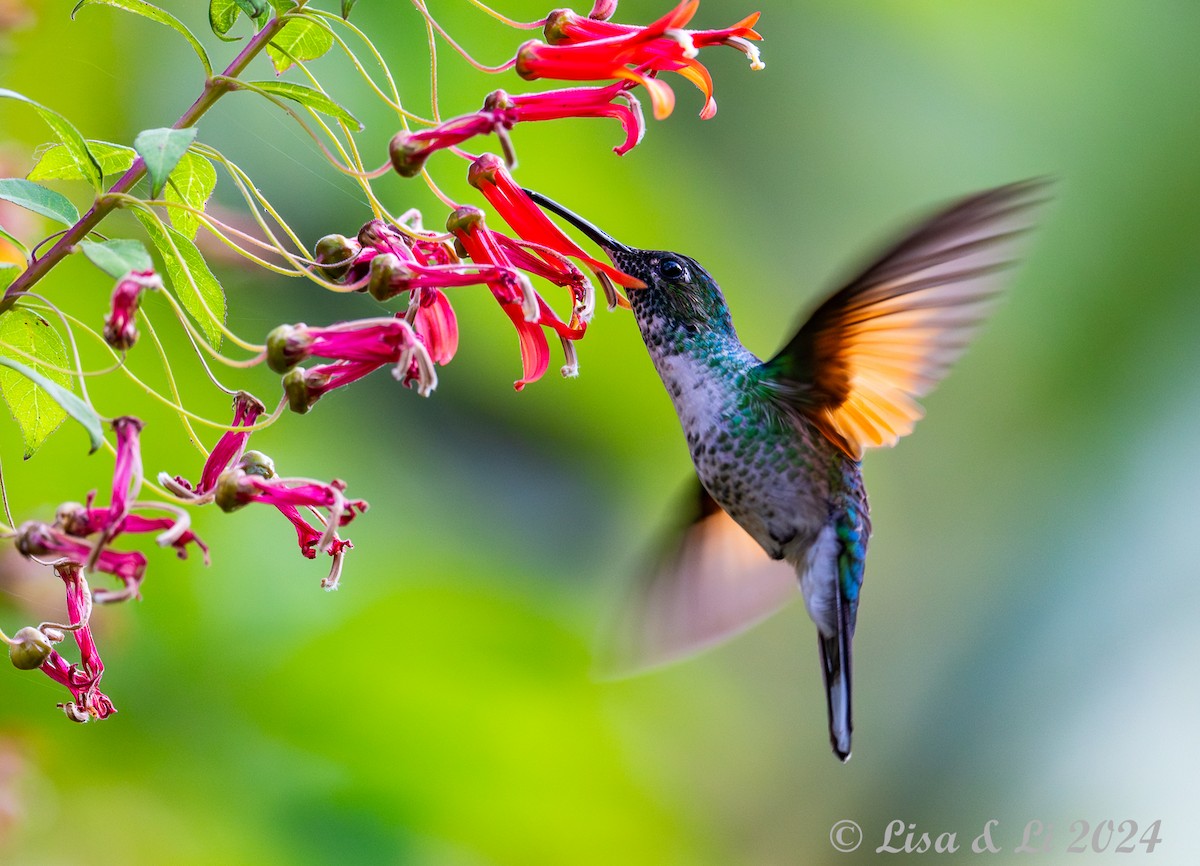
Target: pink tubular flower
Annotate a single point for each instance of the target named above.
(254, 480)
(120, 332)
(74, 523)
(357, 349)
(83, 679)
(229, 448)
(589, 49)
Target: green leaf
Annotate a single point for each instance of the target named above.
(39, 397)
(347, 5)
(148, 10)
(161, 149)
(191, 183)
(89, 169)
(56, 162)
(37, 198)
(184, 268)
(16, 243)
(118, 257)
(8, 273)
(254, 8)
(300, 39)
(222, 15)
(308, 96)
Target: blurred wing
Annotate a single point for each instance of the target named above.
(714, 582)
(858, 363)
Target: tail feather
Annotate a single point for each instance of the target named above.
(836, 666)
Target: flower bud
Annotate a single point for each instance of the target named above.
(464, 219)
(387, 272)
(72, 518)
(406, 154)
(29, 648)
(257, 463)
(295, 386)
(557, 22)
(228, 492)
(31, 539)
(287, 346)
(74, 712)
(483, 170)
(336, 253)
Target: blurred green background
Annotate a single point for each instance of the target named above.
(1026, 646)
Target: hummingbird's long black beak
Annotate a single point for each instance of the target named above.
(603, 239)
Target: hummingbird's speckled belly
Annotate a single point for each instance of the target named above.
(772, 476)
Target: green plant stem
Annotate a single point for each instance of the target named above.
(214, 88)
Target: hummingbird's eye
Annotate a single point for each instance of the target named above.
(672, 270)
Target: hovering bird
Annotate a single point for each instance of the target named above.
(777, 444)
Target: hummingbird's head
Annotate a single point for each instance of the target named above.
(678, 294)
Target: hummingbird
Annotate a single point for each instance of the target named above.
(777, 444)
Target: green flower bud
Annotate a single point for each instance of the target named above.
(295, 386)
(29, 649)
(406, 155)
(337, 254)
(287, 346)
(257, 463)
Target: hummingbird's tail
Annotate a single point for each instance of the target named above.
(836, 665)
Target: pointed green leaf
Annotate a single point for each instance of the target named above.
(8, 273)
(38, 396)
(308, 96)
(118, 257)
(56, 162)
(39, 199)
(89, 169)
(16, 243)
(191, 183)
(148, 10)
(189, 276)
(347, 5)
(222, 15)
(300, 39)
(161, 149)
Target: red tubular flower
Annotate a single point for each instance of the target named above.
(120, 332)
(613, 101)
(435, 323)
(511, 288)
(587, 49)
(490, 177)
(83, 679)
(502, 111)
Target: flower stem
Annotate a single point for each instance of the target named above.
(214, 89)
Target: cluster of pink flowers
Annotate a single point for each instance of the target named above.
(386, 260)
(81, 539)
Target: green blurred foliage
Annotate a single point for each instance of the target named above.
(1027, 638)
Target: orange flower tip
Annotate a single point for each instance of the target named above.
(526, 54)
(464, 219)
(405, 154)
(484, 170)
